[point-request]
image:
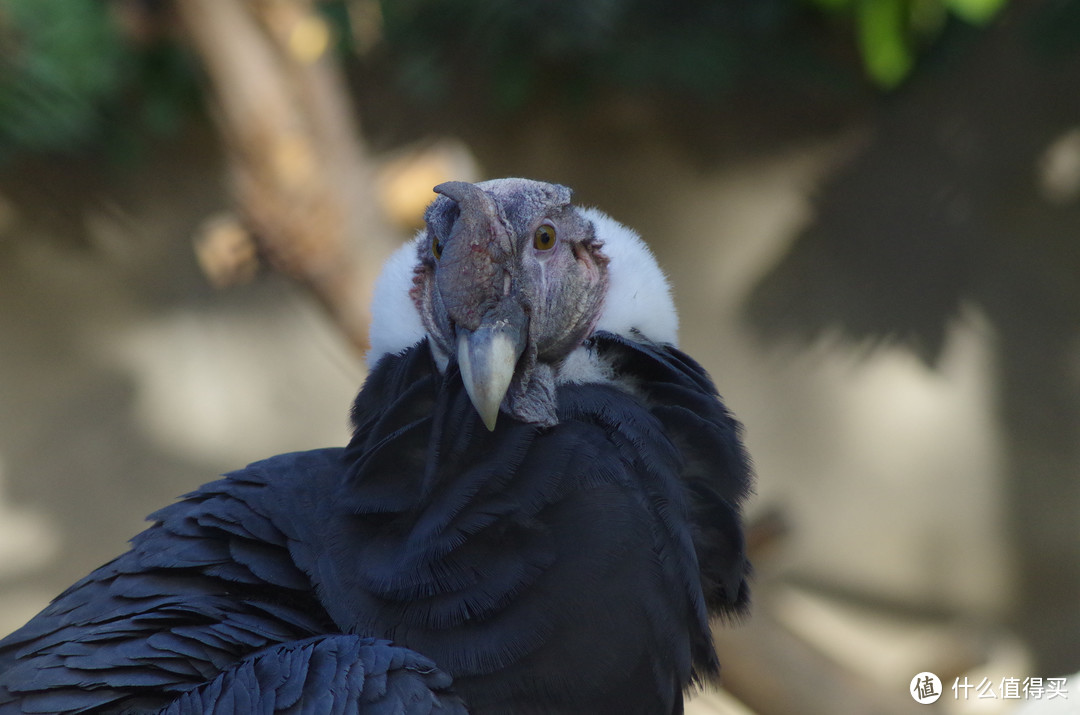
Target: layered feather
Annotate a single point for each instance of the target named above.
(569, 569)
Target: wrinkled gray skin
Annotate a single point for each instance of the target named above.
(510, 312)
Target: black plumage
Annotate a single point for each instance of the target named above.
(430, 565)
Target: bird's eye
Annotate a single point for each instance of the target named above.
(544, 238)
(436, 247)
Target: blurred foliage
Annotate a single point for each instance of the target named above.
(84, 75)
(891, 32)
(697, 47)
(71, 81)
(516, 49)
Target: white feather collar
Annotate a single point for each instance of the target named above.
(638, 303)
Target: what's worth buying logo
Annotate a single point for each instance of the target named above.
(926, 688)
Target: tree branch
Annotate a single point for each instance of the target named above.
(302, 181)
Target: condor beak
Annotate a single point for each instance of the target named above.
(486, 358)
(473, 278)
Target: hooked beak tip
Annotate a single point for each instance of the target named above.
(487, 359)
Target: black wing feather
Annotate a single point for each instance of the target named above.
(546, 570)
(212, 581)
(326, 674)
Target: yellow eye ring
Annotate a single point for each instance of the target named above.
(544, 238)
(436, 247)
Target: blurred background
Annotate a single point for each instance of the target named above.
(869, 209)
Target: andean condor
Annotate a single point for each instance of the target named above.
(538, 511)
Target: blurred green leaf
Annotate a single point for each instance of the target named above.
(58, 60)
(976, 12)
(69, 81)
(882, 30)
(892, 33)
